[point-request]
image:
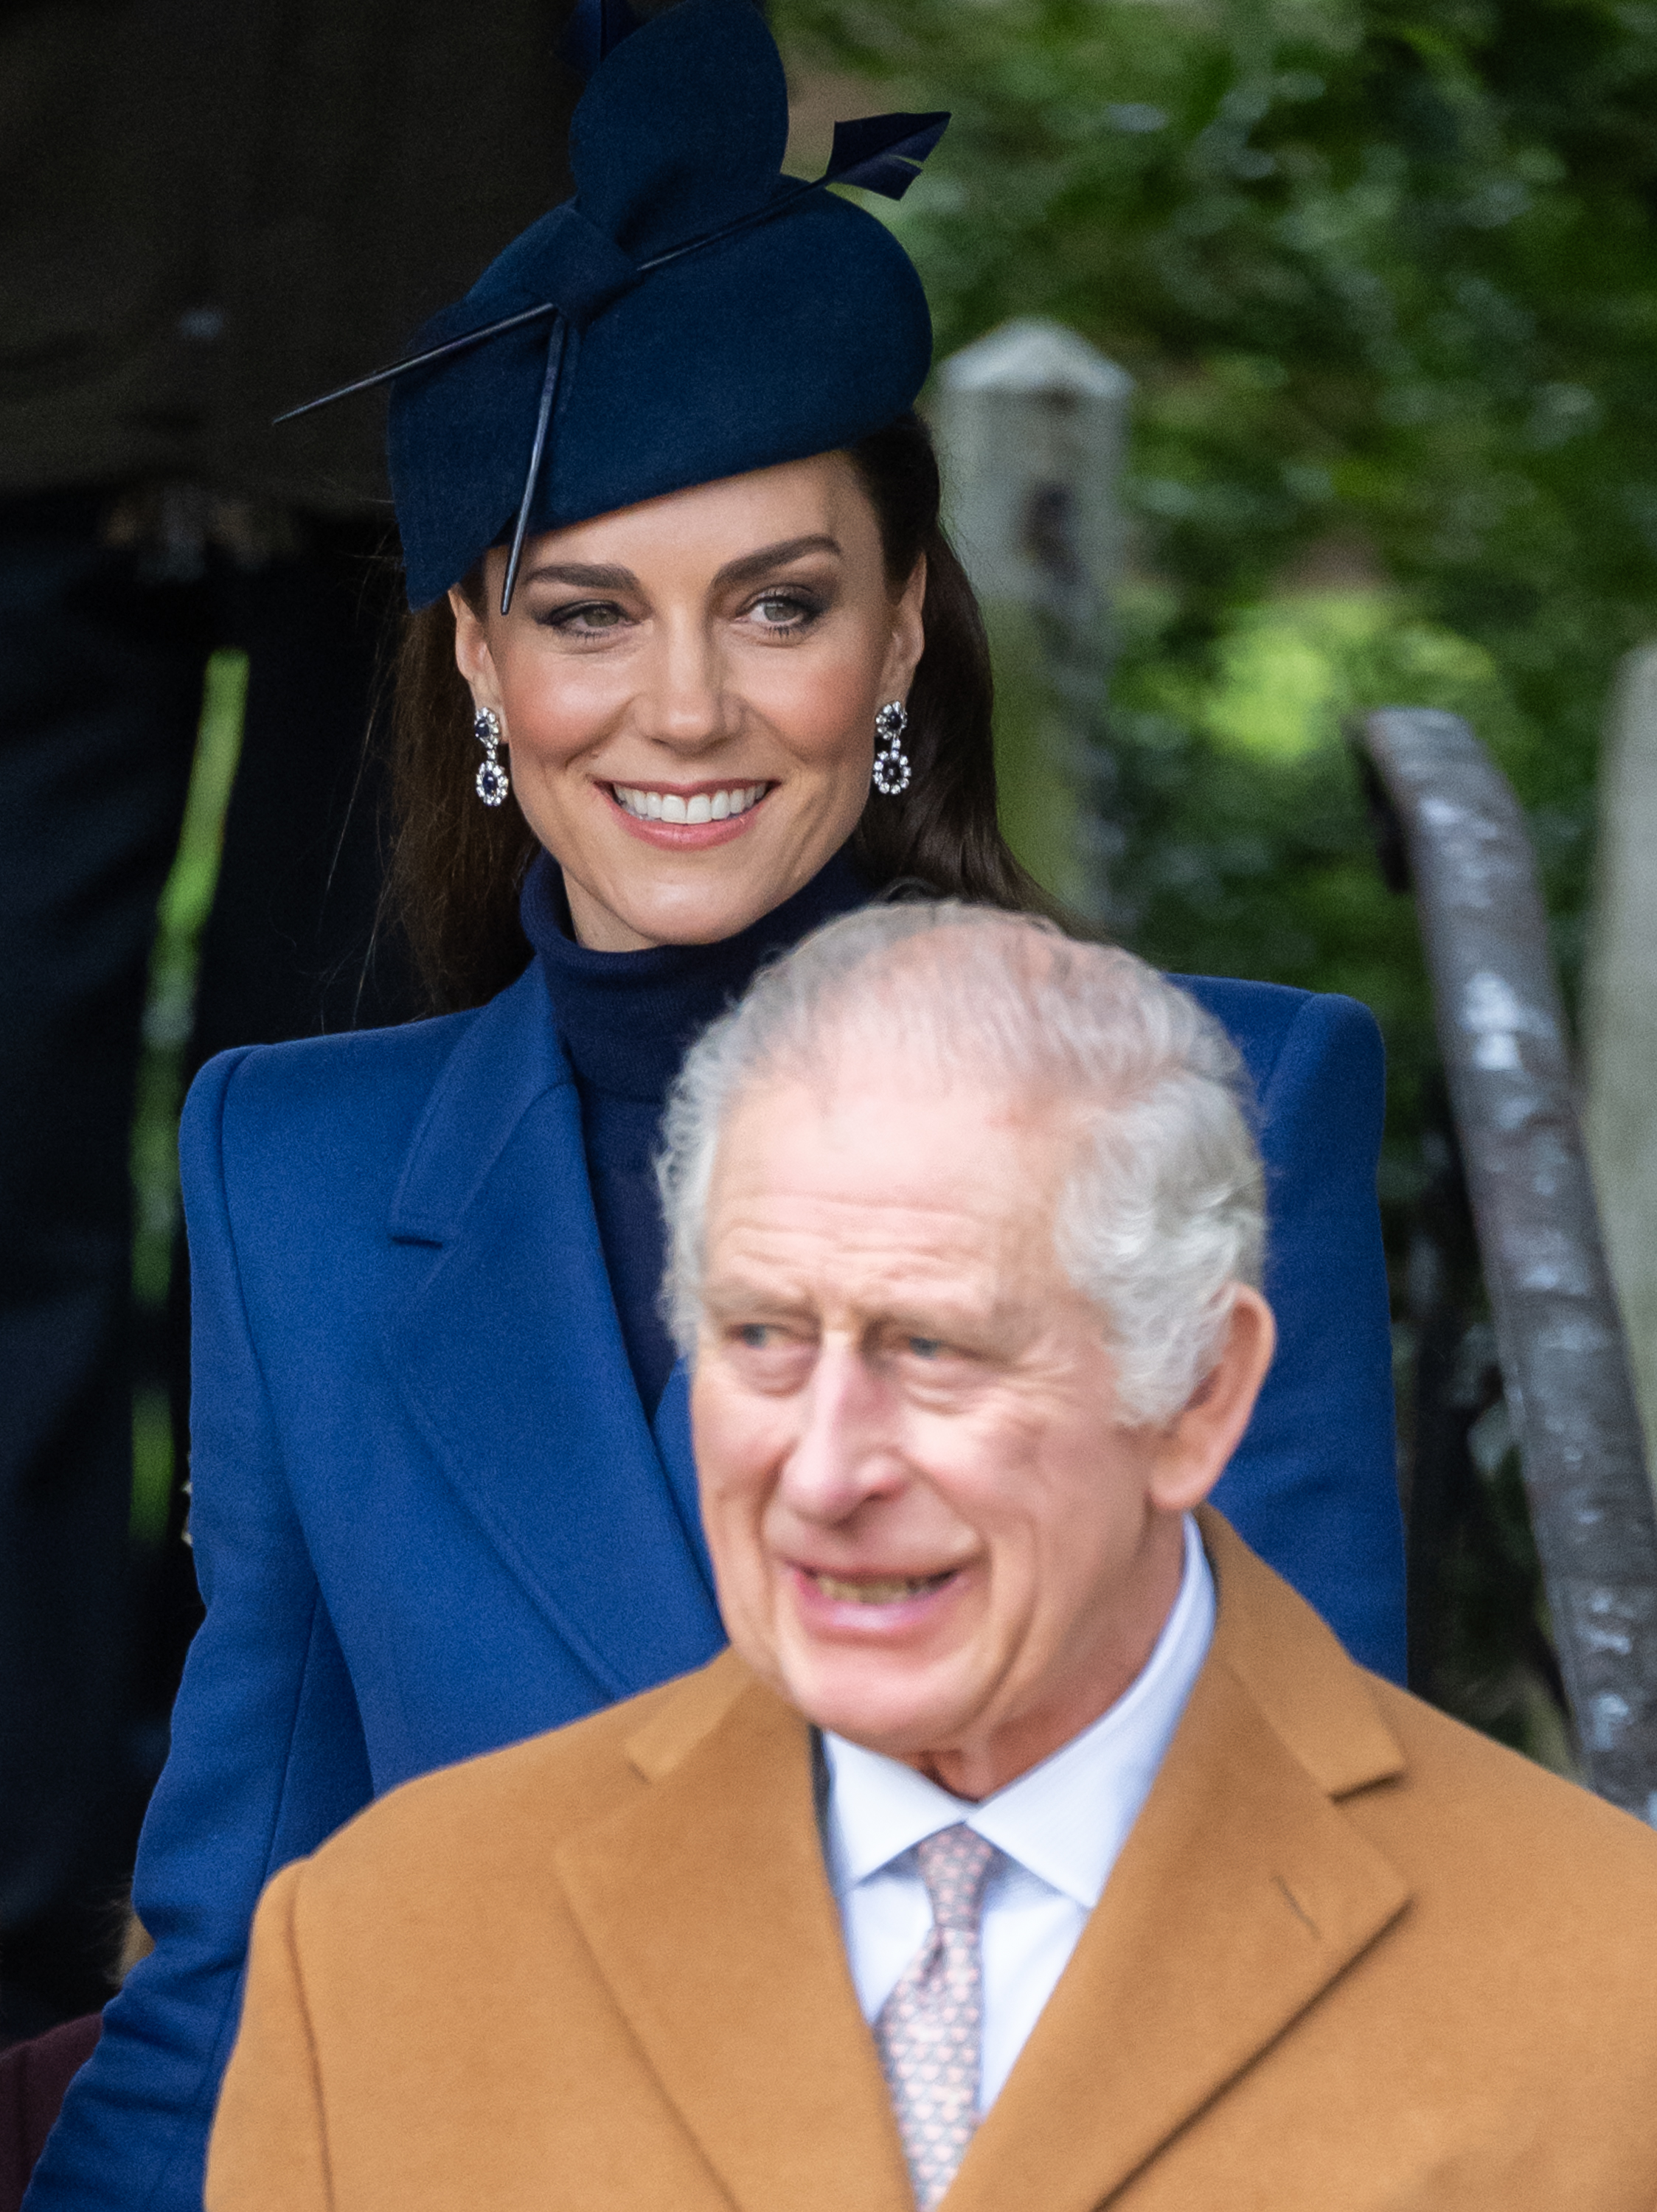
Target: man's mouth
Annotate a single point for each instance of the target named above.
(881, 1590)
(718, 805)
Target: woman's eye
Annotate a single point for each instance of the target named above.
(785, 611)
(755, 1334)
(926, 1347)
(586, 620)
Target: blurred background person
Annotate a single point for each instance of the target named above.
(207, 214)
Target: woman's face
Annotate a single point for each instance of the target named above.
(688, 690)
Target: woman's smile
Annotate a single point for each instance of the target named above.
(687, 818)
(720, 698)
(700, 802)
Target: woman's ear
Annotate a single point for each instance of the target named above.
(908, 636)
(1190, 1453)
(473, 656)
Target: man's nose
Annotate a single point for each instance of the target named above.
(683, 702)
(847, 1448)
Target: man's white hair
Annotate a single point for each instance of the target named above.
(1164, 1212)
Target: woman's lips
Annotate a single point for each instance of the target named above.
(708, 814)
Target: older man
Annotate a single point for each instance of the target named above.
(1034, 1845)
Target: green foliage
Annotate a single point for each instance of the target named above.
(1384, 275)
(186, 899)
(1249, 852)
(170, 1008)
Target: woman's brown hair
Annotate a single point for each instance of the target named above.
(456, 866)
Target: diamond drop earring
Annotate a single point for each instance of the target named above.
(492, 782)
(891, 769)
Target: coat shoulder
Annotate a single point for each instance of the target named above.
(1529, 1933)
(1281, 1031)
(334, 1129)
(1267, 1010)
(1469, 1823)
(496, 1817)
(1517, 1828)
(308, 1092)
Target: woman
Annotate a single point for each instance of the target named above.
(442, 1489)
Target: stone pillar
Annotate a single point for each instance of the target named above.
(1031, 423)
(1620, 1018)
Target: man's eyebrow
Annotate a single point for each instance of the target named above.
(741, 1296)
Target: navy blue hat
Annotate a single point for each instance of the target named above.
(691, 314)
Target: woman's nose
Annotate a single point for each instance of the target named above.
(683, 700)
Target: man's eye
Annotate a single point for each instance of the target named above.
(758, 1335)
(926, 1347)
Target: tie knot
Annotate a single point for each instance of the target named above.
(955, 1865)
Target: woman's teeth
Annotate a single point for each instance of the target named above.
(886, 1592)
(706, 806)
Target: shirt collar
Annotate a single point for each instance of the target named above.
(1066, 1819)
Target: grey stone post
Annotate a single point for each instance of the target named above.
(1565, 1369)
(1031, 422)
(1620, 1018)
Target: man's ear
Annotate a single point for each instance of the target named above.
(1192, 1452)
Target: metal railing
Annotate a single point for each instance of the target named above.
(1451, 819)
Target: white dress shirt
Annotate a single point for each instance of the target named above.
(1059, 1827)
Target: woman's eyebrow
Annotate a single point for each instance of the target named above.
(588, 578)
(584, 578)
(773, 556)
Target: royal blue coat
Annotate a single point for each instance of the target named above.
(430, 1517)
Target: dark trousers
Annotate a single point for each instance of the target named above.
(101, 664)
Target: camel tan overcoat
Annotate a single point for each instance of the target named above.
(1352, 1957)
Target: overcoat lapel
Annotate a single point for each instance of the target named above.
(708, 1910)
(510, 1355)
(1242, 1893)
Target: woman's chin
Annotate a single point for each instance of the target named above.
(699, 920)
(682, 899)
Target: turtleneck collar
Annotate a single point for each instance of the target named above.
(626, 1017)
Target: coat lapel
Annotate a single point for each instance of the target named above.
(1241, 1894)
(510, 1355)
(707, 1907)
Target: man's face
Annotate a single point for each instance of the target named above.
(927, 1530)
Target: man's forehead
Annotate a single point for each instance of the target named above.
(875, 1260)
(764, 1223)
(913, 1117)
(880, 1177)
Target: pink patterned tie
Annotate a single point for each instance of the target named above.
(929, 2030)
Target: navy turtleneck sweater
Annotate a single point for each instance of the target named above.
(625, 1019)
